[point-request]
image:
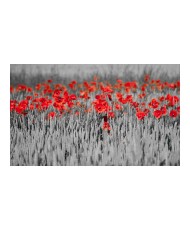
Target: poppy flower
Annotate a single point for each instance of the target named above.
(38, 87)
(162, 98)
(13, 104)
(135, 104)
(119, 81)
(72, 84)
(29, 98)
(57, 92)
(168, 97)
(11, 89)
(106, 126)
(178, 84)
(146, 111)
(178, 109)
(173, 113)
(21, 88)
(22, 106)
(92, 89)
(101, 106)
(84, 94)
(59, 100)
(163, 109)
(142, 95)
(111, 114)
(146, 77)
(154, 104)
(118, 106)
(143, 104)
(70, 104)
(143, 87)
(86, 85)
(172, 86)
(157, 114)
(119, 96)
(106, 89)
(51, 115)
(29, 89)
(72, 97)
(140, 115)
(173, 100)
(132, 84)
(31, 107)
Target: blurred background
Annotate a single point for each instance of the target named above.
(85, 70)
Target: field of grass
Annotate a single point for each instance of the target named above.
(102, 121)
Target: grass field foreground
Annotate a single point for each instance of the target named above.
(95, 122)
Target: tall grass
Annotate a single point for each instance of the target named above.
(80, 140)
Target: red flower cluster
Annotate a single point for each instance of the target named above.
(107, 100)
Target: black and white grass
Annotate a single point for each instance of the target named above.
(79, 140)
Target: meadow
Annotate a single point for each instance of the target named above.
(107, 121)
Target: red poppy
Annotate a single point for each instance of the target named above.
(70, 104)
(101, 106)
(38, 87)
(163, 109)
(118, 106)
(84, 94)
(72, 97)
(129, 98)
(178, 84)
(178, 109)
(143, 87)
(11, 89)
(119, 81)
(143, 104)
(106, 89)
(111, 114)
(173, 113)
(135, 104)
(154, 104)
(29, 98)
(106, 126)
(158, 114)
(21, 88)
(22, 106)
(142, 95)
(72, 84)
(59, 100)
(51, 115)
(31, 106)
(29, 90)
(173, 100)
(119, 96)
(132, 84)
(146, 111)
(146, 77)
(162, 98)
(140, 115)
(13, 104)
(168, 97)
(57, 92)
